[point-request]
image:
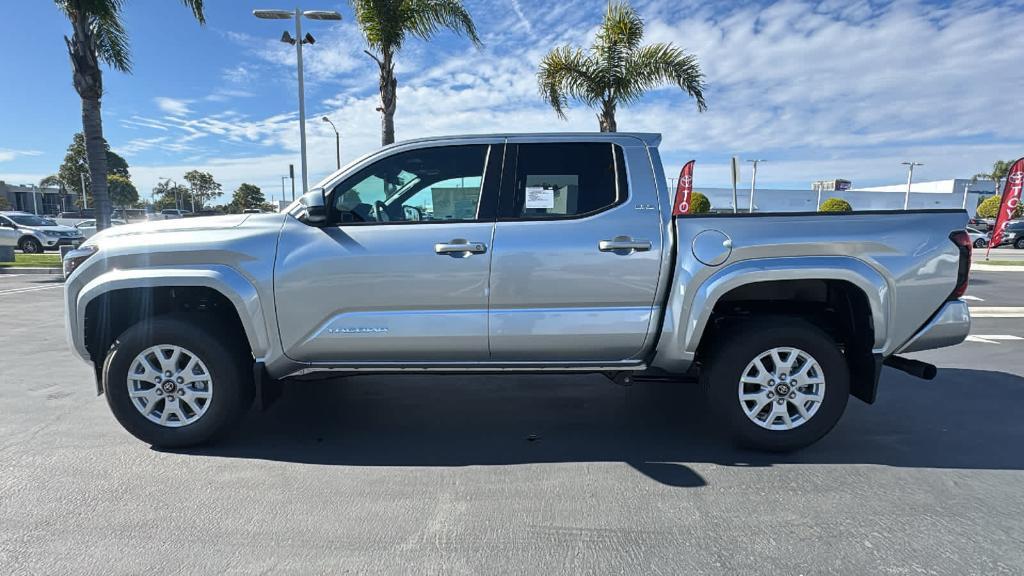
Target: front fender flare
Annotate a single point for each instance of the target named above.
(225, 280)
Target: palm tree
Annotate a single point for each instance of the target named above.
(616, 70)
(387, 23)
(999, 171)
(98, 35)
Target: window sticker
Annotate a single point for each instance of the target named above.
(539, 197)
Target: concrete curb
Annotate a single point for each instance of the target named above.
(20, 270)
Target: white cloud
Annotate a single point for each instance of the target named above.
(173, 106)
(820, 89)
(7, 154)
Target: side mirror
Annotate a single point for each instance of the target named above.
(314, 210)
(413, 213)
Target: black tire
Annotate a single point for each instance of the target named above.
(747, 340)
(979, 243)
(230, 373)
(30, 245)
(1019, 244)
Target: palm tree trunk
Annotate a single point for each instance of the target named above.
(96, 154)
(388, 99)
(88, 81)
(606, 119)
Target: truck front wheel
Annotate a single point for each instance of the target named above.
(778, 384)
(172, 383)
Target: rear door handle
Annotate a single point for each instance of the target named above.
(624, 244)
(460, 246)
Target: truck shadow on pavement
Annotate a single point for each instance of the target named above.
(967, 419)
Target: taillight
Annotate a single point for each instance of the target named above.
(963, 242)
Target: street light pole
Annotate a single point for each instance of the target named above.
(753, 184)
(910, 178)
(298, 41)
(967, 188)
(337, 140)
(85, 197)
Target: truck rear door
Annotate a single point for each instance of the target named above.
(576, 252)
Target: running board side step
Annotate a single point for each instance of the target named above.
(913, 367)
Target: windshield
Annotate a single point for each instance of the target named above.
(31, 220)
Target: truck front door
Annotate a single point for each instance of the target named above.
(577, 253)
(400, 272)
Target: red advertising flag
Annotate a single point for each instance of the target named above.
(684, 190)
(1011, 198)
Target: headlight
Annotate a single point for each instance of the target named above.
(74, 258)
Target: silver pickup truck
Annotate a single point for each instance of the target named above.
(548, 253)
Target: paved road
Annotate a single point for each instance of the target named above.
(512, 475)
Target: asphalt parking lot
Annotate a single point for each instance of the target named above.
(514, 475)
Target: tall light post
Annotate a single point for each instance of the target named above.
(967, 189)
(337, 140)
(298, 41)
(753, 183)
(910, 178)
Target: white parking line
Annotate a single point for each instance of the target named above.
(28, 289)
(974, 298)
(997, 311)
(991, 338)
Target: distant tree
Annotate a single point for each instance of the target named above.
(835, 205)
(122, 192)
(169, 196)
(617, 69)
(387, 23)
(999, 171)
(4, 204)
(699, 203)
(202, 186)
(98, 35)
(989, 208)
(246, 197)
(76, 163)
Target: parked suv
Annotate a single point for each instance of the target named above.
(1013, 234)
(38, 234)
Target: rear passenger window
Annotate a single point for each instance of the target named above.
(567, 180)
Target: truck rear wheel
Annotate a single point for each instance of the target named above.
(780, 384)
(172, 383)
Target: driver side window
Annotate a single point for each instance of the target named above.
(430, 184)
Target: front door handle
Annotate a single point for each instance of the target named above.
(624, 245)
(460, 247)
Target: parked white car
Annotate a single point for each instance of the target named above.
(36, 234)
(88, 227)
(978, 238)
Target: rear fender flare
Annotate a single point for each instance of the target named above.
(852, 270)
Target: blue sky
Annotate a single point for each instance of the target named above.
(820, 89)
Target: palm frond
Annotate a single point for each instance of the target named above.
(380, 21)
(425, 17)
(658, 64)
(196, 6)
(565, 73)
(111, 41)
(622, 27)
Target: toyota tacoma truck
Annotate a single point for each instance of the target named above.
(551, 253)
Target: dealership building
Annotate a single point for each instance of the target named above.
(938, 194)
(27, 198)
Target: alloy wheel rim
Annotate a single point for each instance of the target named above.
(782, 388)
(170, 385)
